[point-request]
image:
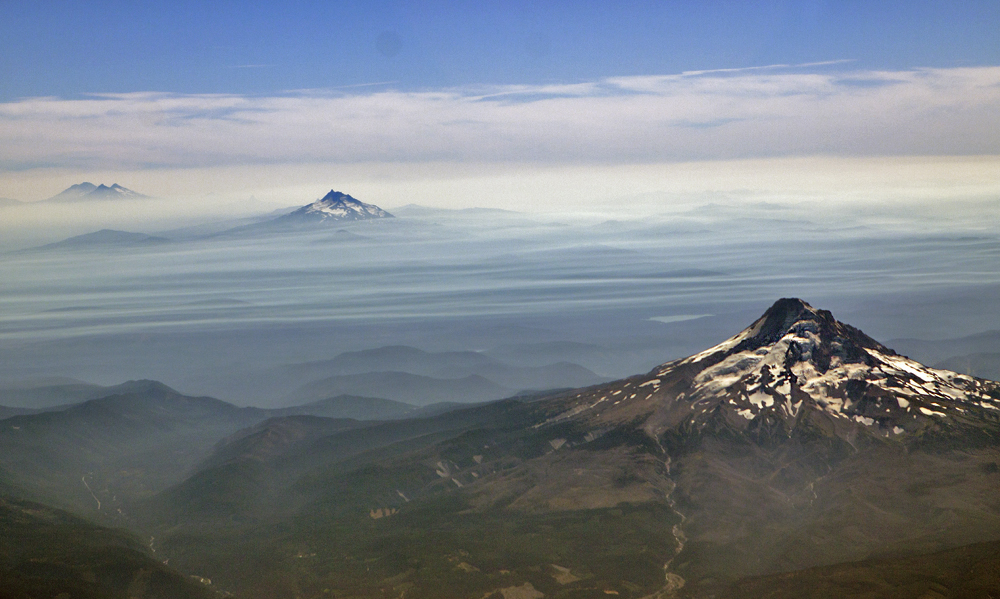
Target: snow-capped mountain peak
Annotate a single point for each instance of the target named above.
(338, 206)
(796, 366)
(795, 355)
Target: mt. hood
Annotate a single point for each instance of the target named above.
(797, 370)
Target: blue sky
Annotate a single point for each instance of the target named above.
(68, 48)
(285, 100)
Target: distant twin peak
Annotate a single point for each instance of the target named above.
(89, 191)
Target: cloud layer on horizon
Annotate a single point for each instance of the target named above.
(731, 114)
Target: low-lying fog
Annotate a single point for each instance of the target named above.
(231, 315)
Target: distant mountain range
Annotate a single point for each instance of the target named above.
(88, 191)
(335, 207)
(43, 394)
(800, 447)
(106, 239)
(352, 406)
(418, 377)
(414, 388)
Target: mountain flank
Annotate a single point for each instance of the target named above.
(46, 552)
(967, 571)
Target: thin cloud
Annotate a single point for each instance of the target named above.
(373, 84)
(766, 112)
(769, 67)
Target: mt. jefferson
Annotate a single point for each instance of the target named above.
(334, 206)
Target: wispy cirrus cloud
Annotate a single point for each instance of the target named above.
(729, 114)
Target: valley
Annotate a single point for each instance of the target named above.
(769, 463)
